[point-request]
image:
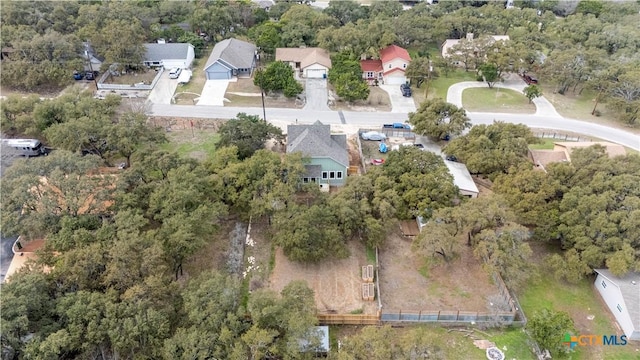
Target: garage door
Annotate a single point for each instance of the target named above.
(218, 75)
(316, 73)
(394, 80)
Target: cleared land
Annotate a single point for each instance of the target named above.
(133, 77)
(244, 93)
(496, 100)
(378, 100)
(336, 283)
(408, 283)
(197, 142)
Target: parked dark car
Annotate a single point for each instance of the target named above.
(89, 75)
(406, 90)
(77, 75)
(452, 158)
(529, 79)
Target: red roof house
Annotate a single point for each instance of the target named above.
(389, 69)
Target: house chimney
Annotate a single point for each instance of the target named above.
(470, 36)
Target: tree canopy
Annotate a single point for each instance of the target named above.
(492, 149)
(439, 119)
(278, 76)
(248, 133)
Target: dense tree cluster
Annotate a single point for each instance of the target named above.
(587, 206)
(492, 149)
(489, 227)
(75, 121)
(346, 76)
(439, 119)
(248, 133)
(278, 76)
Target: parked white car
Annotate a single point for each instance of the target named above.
(174, 73)
(373, 135)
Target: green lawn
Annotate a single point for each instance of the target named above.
(496, 100)
(198, 144)
(196, 84)
(439, 87)
(581, 301)
(545, 144)
(455, 344)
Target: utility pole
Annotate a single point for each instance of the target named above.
(426, 91)
(86, 52)
(264, 110)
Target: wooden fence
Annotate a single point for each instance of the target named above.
(348, 319)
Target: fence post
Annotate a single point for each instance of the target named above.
(420, 315)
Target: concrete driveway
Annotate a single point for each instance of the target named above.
(317, 95)
(213, 93)
(399, 103)
(164, 89)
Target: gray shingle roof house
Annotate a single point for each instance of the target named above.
(229, 58)
(327, 153)
(170, 55)
(622, 296)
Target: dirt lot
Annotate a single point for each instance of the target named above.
(336, 283)
(462, 285)
(132, 78)
(244, 93)
(378, 100)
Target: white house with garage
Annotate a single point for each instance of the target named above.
(231, 58)
(169, 55)
(622, 296)
(311, 63)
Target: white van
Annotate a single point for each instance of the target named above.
(26, 147)
(174, 73)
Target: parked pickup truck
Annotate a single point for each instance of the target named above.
(396, 126)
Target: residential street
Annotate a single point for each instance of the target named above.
(280, 116)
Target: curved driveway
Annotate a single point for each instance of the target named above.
(545, 117)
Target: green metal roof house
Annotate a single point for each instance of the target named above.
(327, 153)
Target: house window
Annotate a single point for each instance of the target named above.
(305, 180)
(339, 175)
(332, 175)
(325, 174)
(604, 284)
(370, 74)
(313, 180)
(404, 66)
(619, 308)
(389, 66)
